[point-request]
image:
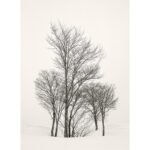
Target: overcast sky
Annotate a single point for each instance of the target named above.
(105, 22)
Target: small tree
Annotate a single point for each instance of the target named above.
(78, 117)
(106, 102)
(99, 100)
(50, 93)
(90, 96)
(81, 124)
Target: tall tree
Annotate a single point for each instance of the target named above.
(77, 60)
(50, 93)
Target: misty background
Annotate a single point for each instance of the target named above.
(105, 22)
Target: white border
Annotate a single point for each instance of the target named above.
(139, 74)
(10, 75)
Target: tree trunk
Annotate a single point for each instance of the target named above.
(73, 133)
(53, 124)
(66, 103)
(103, 126)
(69, 126)
(66, 122)
(95, 120)
(56, 130)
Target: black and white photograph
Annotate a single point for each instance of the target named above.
(75, 75)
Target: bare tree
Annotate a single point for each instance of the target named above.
(78, 122)
(66, 93)
(106, 101)
(90, 96)
(59, 107)
(76, 59)
(50, 93)
(99, 100)
(81, 123)
(75, 106)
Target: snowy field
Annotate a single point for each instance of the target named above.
(37, 138)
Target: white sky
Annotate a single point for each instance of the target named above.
(104, 21)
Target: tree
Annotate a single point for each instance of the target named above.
(90, 96)
(50, 93)
(81, 124)
(76, 59)
(78, 117)
(99, 100)
(106, 101)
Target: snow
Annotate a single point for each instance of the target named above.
(38, 138)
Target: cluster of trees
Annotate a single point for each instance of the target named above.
(72, 93)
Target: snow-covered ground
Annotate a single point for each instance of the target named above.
(38, 138)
